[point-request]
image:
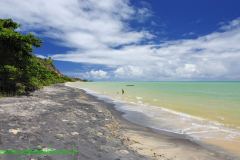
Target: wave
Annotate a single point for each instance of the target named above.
(167, 120)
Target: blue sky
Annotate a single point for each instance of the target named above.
(146, 40)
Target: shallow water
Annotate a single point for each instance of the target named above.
(205, 111)
(218, 101)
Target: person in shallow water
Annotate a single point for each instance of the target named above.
(123, 91)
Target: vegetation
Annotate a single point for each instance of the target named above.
(20, 71)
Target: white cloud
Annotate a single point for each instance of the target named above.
(80, 24)
(41, 56)
(231, 25)
(214, 56)
(89, 75)
(187, 70)
(128, 72)
(94, 28)
(96, 74)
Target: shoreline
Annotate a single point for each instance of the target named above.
(195, 102)
(137, 133)
(137, 116)
(60, 117)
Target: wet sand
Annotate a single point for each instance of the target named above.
(166, 145)
(60, 117)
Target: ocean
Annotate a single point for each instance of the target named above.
(205, 111)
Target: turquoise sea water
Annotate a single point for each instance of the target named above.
(217, 101)
(208, 112)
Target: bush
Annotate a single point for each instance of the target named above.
(21, 71)
(20, 89)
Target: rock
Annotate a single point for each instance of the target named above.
(59, 136)
(15, 131)
(106, 148)
(92, 141)
(122, 152)
(93, 118)
(74, 133)
(43, 123)
(99, 134)
(12, 124)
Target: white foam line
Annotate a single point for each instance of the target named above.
(199, 132)
(212, 124)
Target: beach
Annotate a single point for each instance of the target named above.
(63, 117)
(206, 112)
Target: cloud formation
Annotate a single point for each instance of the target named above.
(96, 74)
(79, 24)
(98, 32)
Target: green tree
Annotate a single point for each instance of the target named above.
(20, 70)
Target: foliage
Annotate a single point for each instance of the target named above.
(21, 71)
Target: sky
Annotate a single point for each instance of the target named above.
(135, 40)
